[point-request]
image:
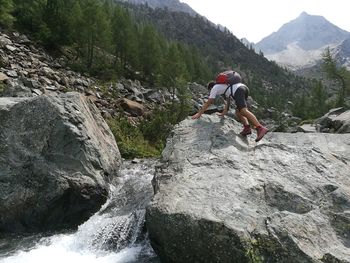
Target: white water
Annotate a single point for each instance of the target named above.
(62, 248)
(114, 234)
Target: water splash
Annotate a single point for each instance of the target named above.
(115, 234)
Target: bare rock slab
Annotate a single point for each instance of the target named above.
(223, 198)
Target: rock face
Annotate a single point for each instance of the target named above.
(335, 121)
(222, 198)
(57, 157)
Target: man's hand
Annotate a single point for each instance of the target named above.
(203, 109)
(196, 116)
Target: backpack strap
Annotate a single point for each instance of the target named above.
(229, 86)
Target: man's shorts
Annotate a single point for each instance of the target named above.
(241, 96)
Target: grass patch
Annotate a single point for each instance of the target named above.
(148, 138)
(130, 140)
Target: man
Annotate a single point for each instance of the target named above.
(239, 92)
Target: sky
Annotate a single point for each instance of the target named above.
(256, 19)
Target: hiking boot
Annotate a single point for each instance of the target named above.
(246, 130)
(261, 131)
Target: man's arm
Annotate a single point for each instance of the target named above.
(203, 109)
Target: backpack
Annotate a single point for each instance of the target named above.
(229, 77)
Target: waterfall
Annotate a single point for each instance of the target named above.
(114, 234)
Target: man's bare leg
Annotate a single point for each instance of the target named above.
(248, 116)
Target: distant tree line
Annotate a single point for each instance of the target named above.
(318, 100)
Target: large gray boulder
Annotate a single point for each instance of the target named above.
(336, 121)
(222, 198)
(57, 158)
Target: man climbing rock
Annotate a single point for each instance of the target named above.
(229, 84)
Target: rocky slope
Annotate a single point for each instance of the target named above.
(222, 198)
(26, 70)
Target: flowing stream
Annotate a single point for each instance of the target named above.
(114, 234)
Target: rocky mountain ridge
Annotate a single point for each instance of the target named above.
(171, 5)
(342, 53)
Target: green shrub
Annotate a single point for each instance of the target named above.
(2, 88)
(307, 121)
(157, 128)
(130, 140)
(149, 137)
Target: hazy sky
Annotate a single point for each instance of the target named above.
(256, 19)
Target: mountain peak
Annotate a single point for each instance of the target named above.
(310, 19)
(300, 42)
(303, 14)
(309, 32)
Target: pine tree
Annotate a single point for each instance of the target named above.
(29, 17)
(173, 67)
(337, 73)
(132, 45)
(77, 31)
(6, 18)
(96, 30)
(121, 35)
(318, 100)
(150, 54)
(59, 16)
